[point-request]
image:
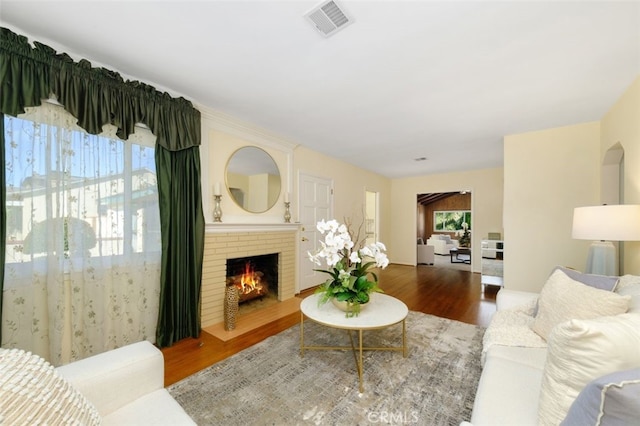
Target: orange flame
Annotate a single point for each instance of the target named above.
(249, 281)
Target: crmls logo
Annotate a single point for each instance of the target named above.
(398, 417)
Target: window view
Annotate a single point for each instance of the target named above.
(71, 193)
(451, 220)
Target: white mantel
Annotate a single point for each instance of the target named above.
(223, 227)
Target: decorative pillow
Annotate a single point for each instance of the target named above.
(603, 282)
(580, 351)
(31, 392)
(628, 280)
(562, 299)
(629, 285)
(611, 399)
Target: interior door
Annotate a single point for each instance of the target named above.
(316, 196)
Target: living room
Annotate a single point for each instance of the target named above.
(545, 173)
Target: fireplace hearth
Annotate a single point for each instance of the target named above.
(254, 276)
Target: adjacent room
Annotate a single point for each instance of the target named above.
(319, 212)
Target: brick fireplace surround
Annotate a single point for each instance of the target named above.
(228, 241)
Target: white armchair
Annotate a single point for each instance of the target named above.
(425, 253)
(442, 243)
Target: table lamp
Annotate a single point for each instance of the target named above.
(603, 224)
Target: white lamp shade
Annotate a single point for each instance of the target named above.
(619, 222)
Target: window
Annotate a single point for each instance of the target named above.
(72, 193)
(451, 221)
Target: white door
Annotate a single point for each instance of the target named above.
(316, 204)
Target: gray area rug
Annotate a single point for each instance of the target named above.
(270, 384)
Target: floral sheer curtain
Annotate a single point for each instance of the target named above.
(83, 253)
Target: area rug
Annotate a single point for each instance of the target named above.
(271, 384)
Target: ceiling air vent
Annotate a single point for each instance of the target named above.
(328, 18)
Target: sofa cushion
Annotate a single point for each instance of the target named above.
(602, 282)
(155, 408)
(31, 392)
(501, 400)
(580, 351)
(610, 399)
(563, 298)
(629, 285)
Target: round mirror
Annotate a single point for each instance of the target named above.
(253, 179)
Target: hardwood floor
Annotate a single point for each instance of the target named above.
(447, 293)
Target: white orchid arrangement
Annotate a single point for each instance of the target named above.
(348, 267)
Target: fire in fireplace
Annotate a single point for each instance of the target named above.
(253, 276)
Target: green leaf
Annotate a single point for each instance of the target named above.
(342, 297)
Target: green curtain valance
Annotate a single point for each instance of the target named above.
(95, 96)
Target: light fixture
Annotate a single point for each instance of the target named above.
(603, 224)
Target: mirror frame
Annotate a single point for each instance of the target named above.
(271, 200)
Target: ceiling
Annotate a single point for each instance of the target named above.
(426, 199)
(443, 81)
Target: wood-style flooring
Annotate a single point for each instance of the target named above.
(448, 293)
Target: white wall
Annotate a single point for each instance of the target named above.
(546, 174)
(486, 188)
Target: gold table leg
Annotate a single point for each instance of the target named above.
(404, 338)
(357, 353)
(301, 335)
(360, 365)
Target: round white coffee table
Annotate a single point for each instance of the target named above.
(382, 311)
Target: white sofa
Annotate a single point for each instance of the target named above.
(124, 386)
(518, 363)
(442, 244)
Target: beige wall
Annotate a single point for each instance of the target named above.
(622, 125)
(350, 184)
(486, 204)
(546, 174)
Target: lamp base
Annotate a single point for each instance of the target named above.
(602, 259)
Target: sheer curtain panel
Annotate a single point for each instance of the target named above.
(83, 252)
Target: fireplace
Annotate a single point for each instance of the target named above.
(228, 241)
(254, 276)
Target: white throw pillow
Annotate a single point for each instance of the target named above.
(32, 392)
(580, 351)
(563, 298)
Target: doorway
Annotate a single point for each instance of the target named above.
(371, 219)
(441, 219)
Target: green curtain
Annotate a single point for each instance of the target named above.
(182, 250)
(97, 96)
(3, 216)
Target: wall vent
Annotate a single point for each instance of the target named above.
(328, 18)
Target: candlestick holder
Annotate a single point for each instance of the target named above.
(217, 211)
(287, 213)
